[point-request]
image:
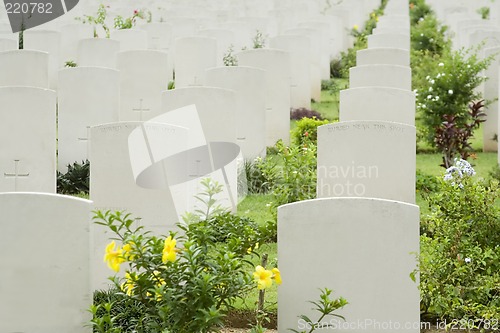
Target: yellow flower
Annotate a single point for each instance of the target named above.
(128, 285)
(263, 277)
(113, 257)
(250, 250)
(355, 27)
(277, 275)
(159, 280)
(169, 250)
(127, 249)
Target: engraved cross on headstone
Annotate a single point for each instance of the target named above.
(16, 174)
(140, 109)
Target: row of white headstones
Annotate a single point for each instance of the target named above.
(468, 30)
(360, 237)
(232, 109)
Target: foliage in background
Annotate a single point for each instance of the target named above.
(182, 284)
(418, 10)
(428, 35)
(453, 140)
(306, 131)
(448, 89)
(339, 67)
(426, 183)
(98, 20)
(121, 23)
(460, 252)
(298, 114)
(75, 180)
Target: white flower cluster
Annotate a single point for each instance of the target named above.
(459, 170)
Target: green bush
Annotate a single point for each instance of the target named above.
(460, 251)
(418, 10)
(75, 180)
(180, 283)
(306, 130)
(449, 88)
(426, 183)
(296, 173)
(427, 34)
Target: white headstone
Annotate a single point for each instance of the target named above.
(363, 249)
(276, 63)
(351, 162)
(87, 96)
(48, 262)
(392, 76)
(249, 84)
(193, 55)
(46, 41)
(159, 35)
(71, 35)
(28, 140)
(216, 108)
(131, 39)
(491, 90)
(377, 103)
(144, 75)
(24, 68)
(101, 52)
(383, 56)
(225, 40)
(298, 47)
(8, 44)
(113, 186)
(395, 40)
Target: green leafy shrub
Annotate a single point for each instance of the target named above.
(260, 174)
(298, 114)
(427, 34)
(239, 233)
(75, 180)
(296, 174)
(418, 10)
(426, 183)
(460, 251)
(183, 283)
(307, 130)
(448, 89)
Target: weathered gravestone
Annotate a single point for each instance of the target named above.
(24, 68)
(28, 140)
(87, 96)
(45, 273)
